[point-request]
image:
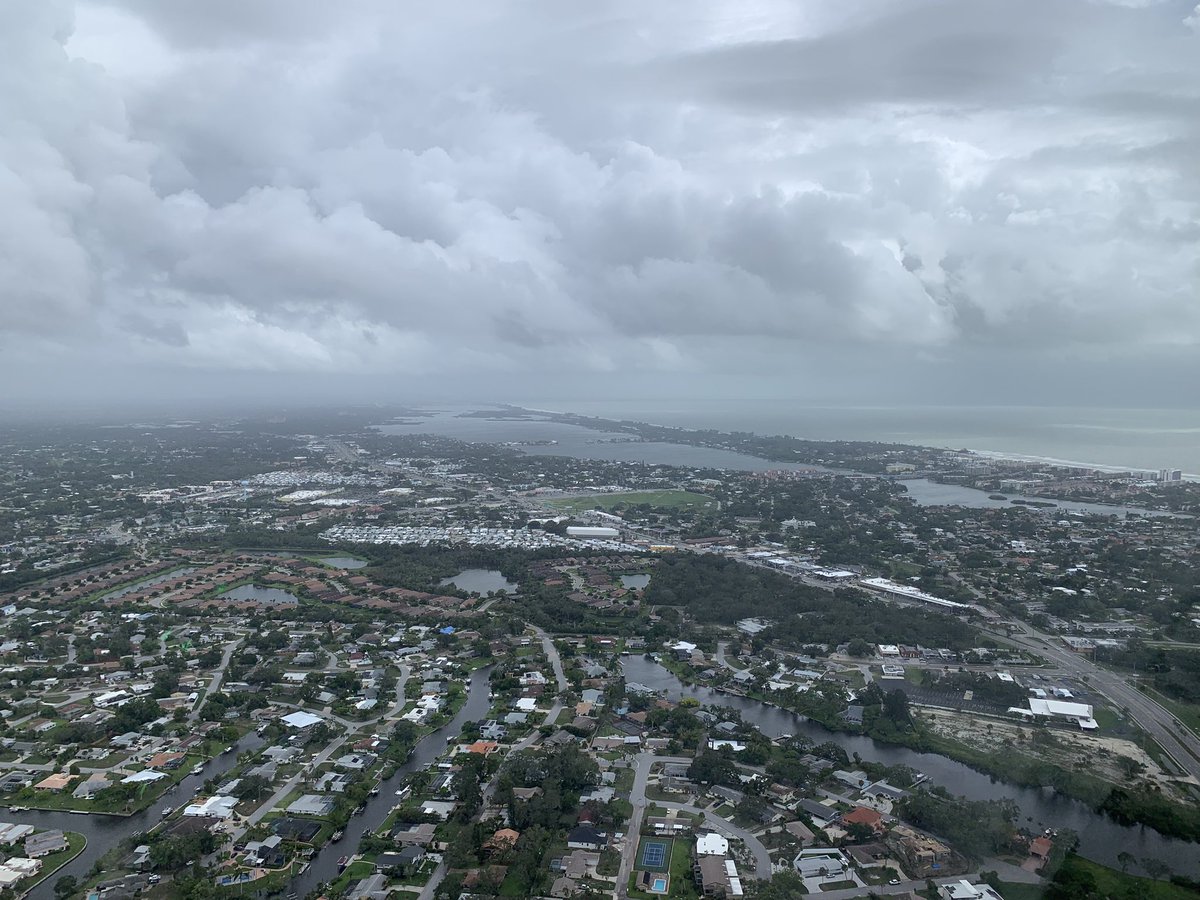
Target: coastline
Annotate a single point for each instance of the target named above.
(1003, 455)
(979, 444)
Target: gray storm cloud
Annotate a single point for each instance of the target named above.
(688, 189)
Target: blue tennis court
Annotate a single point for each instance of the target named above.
(654, 854)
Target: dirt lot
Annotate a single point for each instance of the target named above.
(1069, 749)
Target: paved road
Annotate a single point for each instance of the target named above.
(551, 652)
(762, 859)
(1158, 722)
(633, 828)
(1008, 873)
(218, 676)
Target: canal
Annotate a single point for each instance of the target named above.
(1100, 839)
(323, 865)
(104, 832)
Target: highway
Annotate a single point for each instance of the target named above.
(1179, 743)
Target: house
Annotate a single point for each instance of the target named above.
(709, 874)
(801, 833)
(856, 779)
(711, 844)
(13, 870)
(10, 834)
(868, 856)
(862, 815)
(964, 890)
(669, 826)
(300, 720)
(373, 887)
(165, 761)
(820, 862)
(502, 841)
(482, 748)
(95, 783)
(311, 805)
(585, 837)
(414, 834)
(218, 807)
(55, 783)
(922, 856)
(881, 790)
(44, 843)
(440, 808)
(1039, 850)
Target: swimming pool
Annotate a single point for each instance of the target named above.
(659, 884)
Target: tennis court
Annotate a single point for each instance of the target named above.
(655, 855)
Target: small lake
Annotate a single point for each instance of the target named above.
(634, 582)
(343, 562)
(149, 582)
(261, 594)
(934, 493)
(480, 581)
(587, 443)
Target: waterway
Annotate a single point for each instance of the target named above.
(104, 832)
(323, 866)
(260, 594)
(1100, 839)
(933, 493)
(480, 581)
(532, 433)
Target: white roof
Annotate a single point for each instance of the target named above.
(711, 845)
(301, 719)
(219, 807)
(1060, 708)
(144, 775)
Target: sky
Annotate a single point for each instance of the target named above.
(837, 201)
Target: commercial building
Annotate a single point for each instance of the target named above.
(1058, 711)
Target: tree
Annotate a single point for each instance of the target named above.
(1155, 868)
(860, 832)
(858, 647)
(251, 787)
(66, 886)
(711, 767)
(1126, 859)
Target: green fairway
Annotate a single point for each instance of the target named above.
(667, 499)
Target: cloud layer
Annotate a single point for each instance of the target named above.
(690, 191)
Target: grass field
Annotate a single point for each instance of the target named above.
(665, 499)
(1109, 883)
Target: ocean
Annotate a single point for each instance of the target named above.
(1147, 439)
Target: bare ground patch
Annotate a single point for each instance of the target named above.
(1101, 756)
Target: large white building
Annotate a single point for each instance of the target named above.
(1058, 711)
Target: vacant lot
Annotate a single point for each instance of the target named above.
(1069, 749)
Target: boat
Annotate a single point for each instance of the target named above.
(167, 811)
(18, 808)
(919, 777)
(337, 835)
(342, 863)
(375, 791)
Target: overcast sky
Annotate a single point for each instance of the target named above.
(845, 201)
